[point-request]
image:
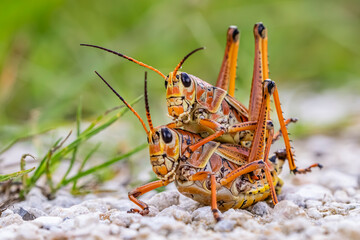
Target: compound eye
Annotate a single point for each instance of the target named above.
(185, 79)
(166, 135)
(166, 83)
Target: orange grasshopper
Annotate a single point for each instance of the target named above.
(200, 107)
(216, 174)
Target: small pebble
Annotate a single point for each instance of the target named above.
(119, 204)
(47, 221)
(114, 229)
(314, 213)
(28, 231)
(261, 209)
(7, 212)
(203, 215)
(95, 205)
(312, 203)
(164, 199)
(71, 212)
(26, 216)
(11, 219)
(86, 220)
(128, 233)
(341, 196)
(296, 198)
(336, 180)
(225, 225)
(177, 213)
(313, 192)
(287, 210)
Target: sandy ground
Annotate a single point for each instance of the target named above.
(324, 204)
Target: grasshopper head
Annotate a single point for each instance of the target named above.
(164, 144)
(180, 90)
(164, 149)
(180, 93)
(180, 86)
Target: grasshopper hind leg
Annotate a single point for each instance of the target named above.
(227, 74)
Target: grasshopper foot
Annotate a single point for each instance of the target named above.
(141, 212)
(306, 170)
(216, 214)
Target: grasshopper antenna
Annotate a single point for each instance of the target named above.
(148, 116)
(184, 59)
(123, 100)
(128, 58)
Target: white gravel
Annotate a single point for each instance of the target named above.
(321, 205)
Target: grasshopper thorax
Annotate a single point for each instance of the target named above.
(164, 149)
(180, 93)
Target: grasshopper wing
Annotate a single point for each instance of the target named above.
(202, 155)
(234, 153)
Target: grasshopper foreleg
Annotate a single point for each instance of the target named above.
(137, 192)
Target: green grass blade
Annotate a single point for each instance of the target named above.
(22, 168)
(7, 177)
(105, 164)
(78, 132)
(84, 162)
(37, 172)
(23, 138)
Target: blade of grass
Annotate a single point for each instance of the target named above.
(23, 138)
(22, 167)
(42, 163)
(7, 177)
(48, 161)
(78, 131)
(84, 162)
(26, 184)
(98, 119)
(105, 164)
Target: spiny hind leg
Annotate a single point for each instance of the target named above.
(227, 74)
(283, 129)
(278, 134)
(261, 63)
(248, 168)
(283, 123)
(256, 96)
(270, 134)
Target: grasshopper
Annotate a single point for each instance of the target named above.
(216, 174)
(199, 107)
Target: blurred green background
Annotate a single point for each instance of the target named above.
(44, 72)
